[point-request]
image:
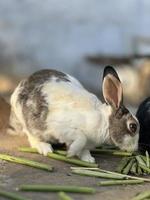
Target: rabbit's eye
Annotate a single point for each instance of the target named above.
(133, 127)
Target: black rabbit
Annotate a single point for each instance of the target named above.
(143, 115)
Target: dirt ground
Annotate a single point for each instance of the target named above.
(12, 175)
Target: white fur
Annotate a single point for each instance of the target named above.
(76, 117)
(130, 143)
(42, 147)
(74, 112)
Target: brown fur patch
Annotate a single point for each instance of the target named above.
(33, 101)
(43, 75)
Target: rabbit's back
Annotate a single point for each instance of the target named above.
(51, 100)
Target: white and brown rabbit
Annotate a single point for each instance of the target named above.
(51, 106)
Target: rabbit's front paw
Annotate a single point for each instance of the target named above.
(43, 148)
(86, 156)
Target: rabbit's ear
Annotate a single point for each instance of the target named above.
(112, 87)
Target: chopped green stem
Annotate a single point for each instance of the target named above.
(99, 174)
(142, 163)
(11, 195)
(61, 152)
(126, 176)
(61, 157)
(133, 169)
(144, 158)
(139, 170)
(147, 199)
(128, 167)
(140, 160)
(57, 188)
(24, 161)
(112, 152)
(87, 168)
(146, 169)
(142, 196)
(115, 173)
(147, 159)
(123, 163)
(119, 182)
(64, 196)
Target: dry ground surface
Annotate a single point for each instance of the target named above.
(12, 175)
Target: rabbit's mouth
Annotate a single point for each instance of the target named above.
(127, 143)
(130, 148)
(130, 143)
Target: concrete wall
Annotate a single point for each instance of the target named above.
(38, 34)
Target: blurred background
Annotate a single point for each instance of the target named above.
(78, 37)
